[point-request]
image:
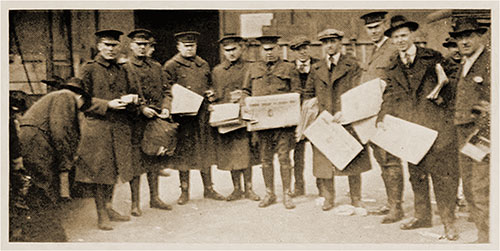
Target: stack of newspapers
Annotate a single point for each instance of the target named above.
(226, 117)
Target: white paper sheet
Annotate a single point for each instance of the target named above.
(362, 101)
(333, 140)
(272, 111)
(406, 140)
(365, 129)
(224, 112)
(185, 101)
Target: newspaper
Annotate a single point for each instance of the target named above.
(406, 140)
(362, 101)
(272, 111)
(333, 140)
(185, 101)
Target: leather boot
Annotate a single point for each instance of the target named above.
(154, 198)
(103, 221)
(298, 170)
(286, 178)
(355, 190)
(237, 193)
(450, 231)
(184, 180)
(112, 214)
(134, 191)
(270, 198)
(249, 193)
(328, 191)
(394, 187)
(208, 190)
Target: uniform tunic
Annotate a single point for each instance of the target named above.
(345, 76)
(195, 145)
(261, 80)
(233, 148)
(148, 77)
(105, 152)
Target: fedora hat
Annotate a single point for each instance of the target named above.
(75, 85)
(400, 21)
(466, 24)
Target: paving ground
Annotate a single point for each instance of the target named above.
(203, 221)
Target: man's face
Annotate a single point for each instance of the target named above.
(269, 52)
(402, 38)
(187, 49)
(454, 52)
(468, 42)
(108, 49)
(302, 53)
(232, 51)
(375, 31)
(331, 46)
(140, 47)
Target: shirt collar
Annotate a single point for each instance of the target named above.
(412, 51)
(101, 60)
(336, 57)
(469, 61)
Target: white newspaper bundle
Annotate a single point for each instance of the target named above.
(226, 117)
(185, 101)
(308, 114)
(333, 140)
(272, 111)
(404, 139)
(362, 101)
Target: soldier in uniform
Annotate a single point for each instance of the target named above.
(195, 147)
(49, 136)
(374, 67)
(303, 64)
(151, 82)
(472, 112)
(411, 76)
(270, 76)
(105, 151)
(328, 79)
(234, 149)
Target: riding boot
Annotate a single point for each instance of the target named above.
(237, 193)
(184, 180)
(112, 214)
(103, 222)
(328, 191)
(247, 177)
(208, 190)
(286, 178)
(154, 198)
(134, 191)
(270, 198)
(355, 190)
(394, 184)
(298, 170)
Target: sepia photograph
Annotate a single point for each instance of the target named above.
(250, 125)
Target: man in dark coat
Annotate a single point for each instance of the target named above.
(472, 112)
(105, 152)
(235, 151)
(410, 77)
(328, 80)
(195, 146)
(151, 82)
(270, 76)
(49, 136)
(303, 64)
(374, 67)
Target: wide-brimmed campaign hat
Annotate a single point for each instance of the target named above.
(398, 22)
(466, 24)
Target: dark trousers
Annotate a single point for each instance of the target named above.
(476, 185)
(445, 190)
(278, 141)
(392, 174)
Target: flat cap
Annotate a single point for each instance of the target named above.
(330, 33)
(187, 36)
(230, 38)
(268, 39)
(297, 42)
(373, 18)
(140, 33)
(112, 36)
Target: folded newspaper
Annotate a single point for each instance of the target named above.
(185, 101)
(272, 111)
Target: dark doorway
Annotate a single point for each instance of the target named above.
(165, 23)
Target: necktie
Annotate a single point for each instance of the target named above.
(408, 60)
(302, 68)
(332, 63)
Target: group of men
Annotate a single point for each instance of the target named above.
(109, 148)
